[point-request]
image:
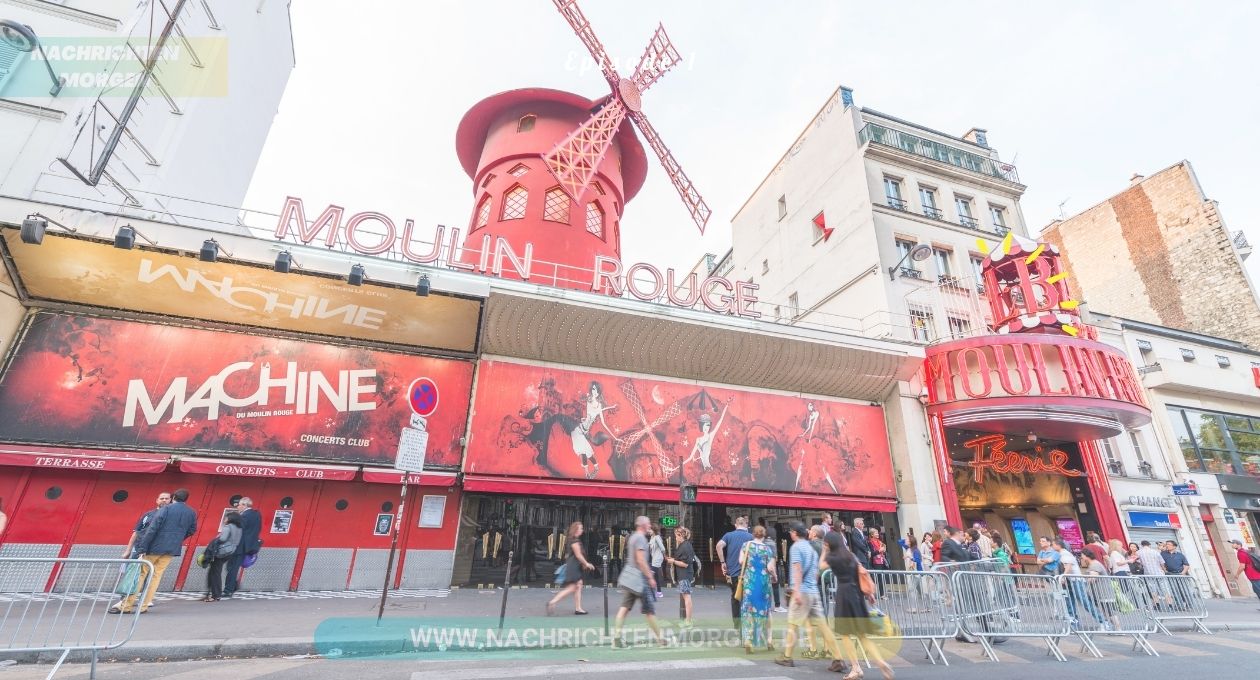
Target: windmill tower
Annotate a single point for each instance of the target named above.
(556, 169)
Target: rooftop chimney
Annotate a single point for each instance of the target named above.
(1135, 179)
(977, 136)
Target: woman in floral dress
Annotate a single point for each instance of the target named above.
(755, 562)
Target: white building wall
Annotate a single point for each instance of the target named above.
(203, 156)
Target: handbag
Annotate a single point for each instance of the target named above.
(866, 582)
(559, 575)
(128, 580)
(248, 560)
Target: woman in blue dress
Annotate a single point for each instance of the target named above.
(756, 561)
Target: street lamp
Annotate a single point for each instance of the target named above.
(22, 38)
(918, 253)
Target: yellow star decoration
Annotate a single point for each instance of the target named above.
(1069, 304)
(1006, 243)
(1032, 257)
(984, 247)
(1070, 330)
(1057, 277)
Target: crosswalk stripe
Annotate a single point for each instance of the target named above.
(579, 669)
(1176, 650)
(1234, 644)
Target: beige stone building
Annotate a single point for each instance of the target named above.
(1160, 252)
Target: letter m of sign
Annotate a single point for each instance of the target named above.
(293, 209)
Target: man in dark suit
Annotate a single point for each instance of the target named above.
(952, 549)
(857, 542)
(251, 527)
(163, 539)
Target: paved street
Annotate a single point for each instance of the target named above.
(1227, 656)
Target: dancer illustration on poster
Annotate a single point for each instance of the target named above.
(703, 447)
(811, 421)
(595, 409)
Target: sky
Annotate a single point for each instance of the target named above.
(1079, 95)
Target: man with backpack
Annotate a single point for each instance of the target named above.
(1248, 565)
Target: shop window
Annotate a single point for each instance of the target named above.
(53, 493)
(120, 496)
(556, 205)
(595, 219)
(526, 123)
(514, 202)
(387, 506)
(286, 502)
(341, 504)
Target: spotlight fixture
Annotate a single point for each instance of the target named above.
(20, 37)
(918, 253)
(209, 250)
(35, 225)
(357, 274)
(422, 286)
(125, 238)
(284, 262)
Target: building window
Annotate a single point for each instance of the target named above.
(778, 312)
(782, 206)
(892, 192)
(921, 323)
(794, 305)
(526, 123)
(518, 170)
(556, 205)
(1222, 361)
(599, 188)
(959, 327)
(765, 266)
(977, 272)
(907, 263)
(514, 203)
(944, 263)
(1108, 451)
(486, 182)
(927, 198)
(965, 216)
(1187, 354)
(483, 214)
(820, 227)
(1218, 443)
(998, 213)
(595, 219)
(1136, 438)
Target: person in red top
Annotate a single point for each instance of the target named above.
(1246, 565)
(936, 547)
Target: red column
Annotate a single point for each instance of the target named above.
(1100, 489)
(944, 471)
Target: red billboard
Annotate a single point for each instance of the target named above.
(539, 421)
(87, 380)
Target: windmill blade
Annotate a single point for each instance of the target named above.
(576, 158)
(659, 57)
(577, 20)
(695, 202)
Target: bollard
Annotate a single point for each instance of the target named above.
(507, 584)
(605, 595)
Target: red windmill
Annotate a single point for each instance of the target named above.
(574, 160)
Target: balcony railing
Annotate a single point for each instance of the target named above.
(969, 222)
(897, 204)
(912, 273)
(934, 213)
(1001, 230)
(972, 162)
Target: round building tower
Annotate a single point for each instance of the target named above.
(501, 142)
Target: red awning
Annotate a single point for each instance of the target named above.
(82, 459)
(565, 487)
(777, 499)
(255, 468)
(388, 476)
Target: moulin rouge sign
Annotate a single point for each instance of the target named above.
(374, 233)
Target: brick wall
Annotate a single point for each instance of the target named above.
(1159, 252)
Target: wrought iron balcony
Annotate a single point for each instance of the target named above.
(1001, 230)
(912, 273)
(1115, 467)
(919, 146)
(934, 213)
(969, 222)
(897, 204)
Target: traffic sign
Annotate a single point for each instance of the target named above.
(687, 494)
(423, 396)
(1185, 490)
(412, 446)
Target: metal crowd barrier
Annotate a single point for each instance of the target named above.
(1109, 605)
(916, 606)
(993, 605)
(1175, 598)
(61, 605)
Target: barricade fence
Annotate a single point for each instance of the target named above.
(909, 605)
(1109, 605)
(62, 604)
(992, 605)
(1176, 598)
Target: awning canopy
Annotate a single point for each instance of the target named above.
(778, 499)
(254, 468)
(97, 460)
(390, 476)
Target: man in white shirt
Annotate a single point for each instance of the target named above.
(1078, 594)
(985, 543)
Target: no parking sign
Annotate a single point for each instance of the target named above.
(423, 396)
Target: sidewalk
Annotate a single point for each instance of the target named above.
(284, 624)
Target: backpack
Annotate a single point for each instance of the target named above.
(1255, 560)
